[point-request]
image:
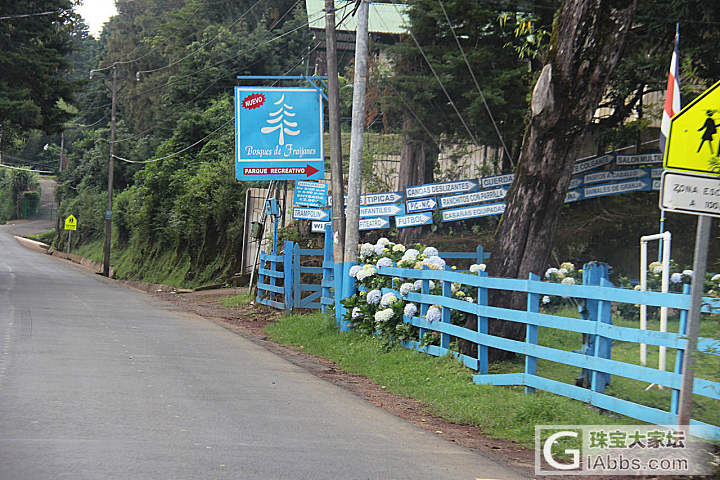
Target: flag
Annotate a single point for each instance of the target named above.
(672, 96)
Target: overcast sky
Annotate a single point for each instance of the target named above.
(97, 12)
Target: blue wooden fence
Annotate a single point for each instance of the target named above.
(597, 361)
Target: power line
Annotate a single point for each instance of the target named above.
(179, 151)
(442, 86)
(26, 15)
(477, 84)
(24, 169)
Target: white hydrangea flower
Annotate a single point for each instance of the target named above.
(676, 277)
(384, 315)
(410, 310)
(398, 247)
(388, 299)
(410, 255)
(373, 297)
(637, 287)
(564, 271)
(657, 270)
(434, 262)
(356, 312)
(568, 281)
(454, 287)
(477, 267)
(385, 262)
(469, 299)
(379, 249)
(367, 249)
(550, 271)
(689, 273)
(569, 267)
(653, 265)
(354, 270)
(716, 277)
(434, 314)
(545, 299)
(430, 252)
(383, 241)
(406, 288)
(417, 285)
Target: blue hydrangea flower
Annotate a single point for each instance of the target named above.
(356, 312)
(406, 288)
(430, 252)
(434, 314)
(388, 299)
(385, 262)
(410, 310)
(354, 270)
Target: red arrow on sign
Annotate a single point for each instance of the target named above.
(307, 170)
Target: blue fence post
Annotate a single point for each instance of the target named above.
(447, 293)
(482, 322)
(328, 273)
(261, 267)
(425, 290)
(680, 355)
(531, 331)
(347, 283)
(593, 274)
(603, 345)
(297, 293)
(288, 275)
(479, 255)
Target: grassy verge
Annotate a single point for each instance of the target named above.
(46, 237)
(441, 383)
(236, 301)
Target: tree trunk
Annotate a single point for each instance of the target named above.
(417, 162)
(589, 36)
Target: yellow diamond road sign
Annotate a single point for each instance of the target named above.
(71, 223)
(693, 144)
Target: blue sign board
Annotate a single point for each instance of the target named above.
(615, 175)
(421, 205)
(616, 188)
(473, 212)
(278, 134)
(592, 163)
(475, 197)
(574, 195)
(459, 186)
(387, 210)
(303, 213)
(413, 220)
(310, 194)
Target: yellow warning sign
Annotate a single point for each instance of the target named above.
(693, 144)
(71, 223)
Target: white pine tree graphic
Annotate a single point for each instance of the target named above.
(277, 119)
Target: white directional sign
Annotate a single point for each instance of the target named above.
(421, 205)
(573, 196)
(310, 214)
(638, 159)
(376, 198)
(612, 175)
(413, 220)
(442, 188)
(473, 212)
(690, 193)
(390, 209)
(374, 223)
(475, 197)
(576, 181)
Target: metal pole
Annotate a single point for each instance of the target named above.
(68, 245)
(352, 232)
(108, 211)
(702, 240)
(260, 240)
(338, 189)
(62, 149)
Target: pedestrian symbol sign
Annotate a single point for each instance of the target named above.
(71, 223)
(693, 144)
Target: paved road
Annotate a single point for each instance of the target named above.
(101, 382)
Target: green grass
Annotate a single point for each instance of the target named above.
(46, 237)
(442, 384)
(236, 301)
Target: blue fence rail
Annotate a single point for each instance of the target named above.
(597, 361)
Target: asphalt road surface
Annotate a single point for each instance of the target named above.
(98, 381)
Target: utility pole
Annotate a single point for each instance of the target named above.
(108, 212)
(62, 150)
(338, 190)
(352, 231)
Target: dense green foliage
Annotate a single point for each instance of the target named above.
(19, 194)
